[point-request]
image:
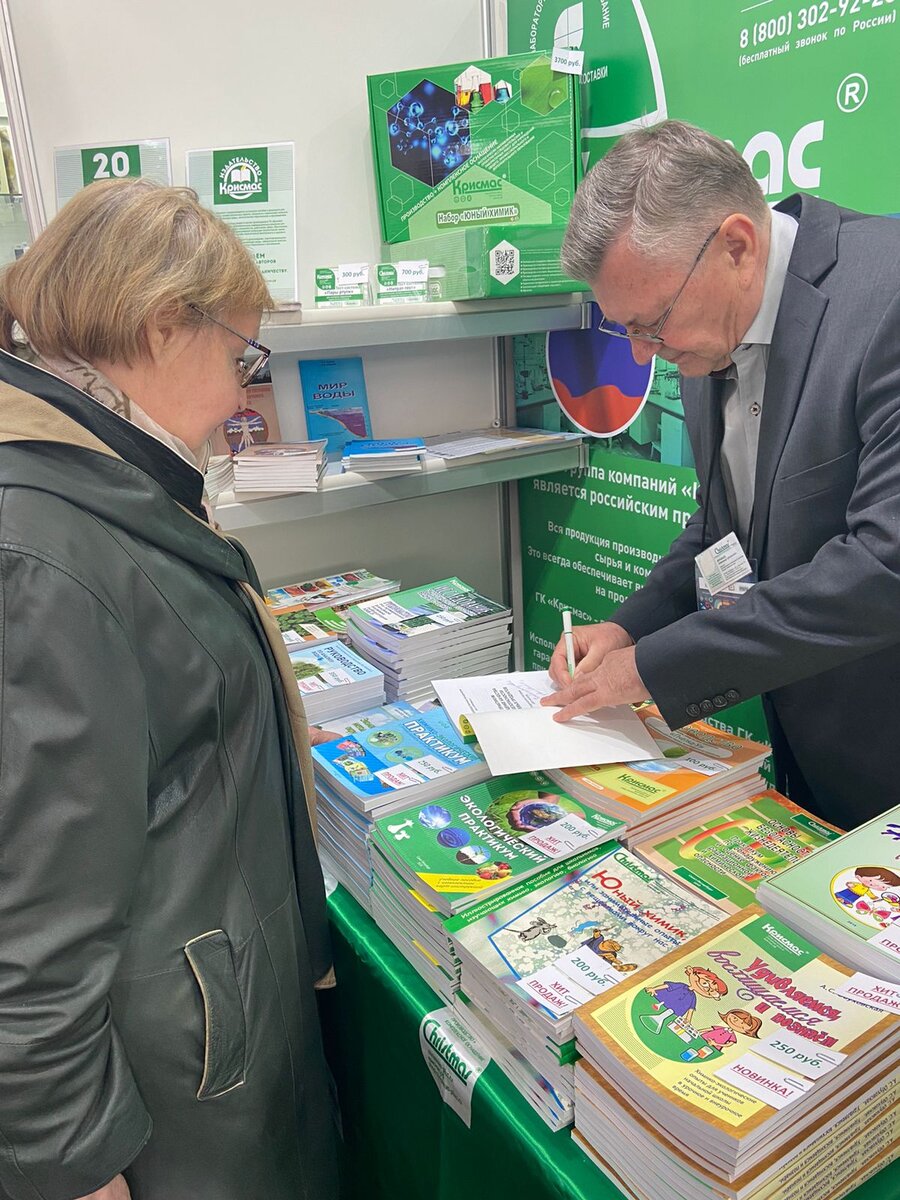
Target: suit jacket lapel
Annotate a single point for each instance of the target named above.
(799, 316)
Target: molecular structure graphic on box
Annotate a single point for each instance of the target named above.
(429, 126)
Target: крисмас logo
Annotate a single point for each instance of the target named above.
(240, 176)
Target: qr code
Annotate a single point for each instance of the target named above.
(504, 262)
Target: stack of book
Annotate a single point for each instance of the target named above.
(443, 630)
(726, 856)
(745, 1065)
(336, 592)
(483, 445)
(335, 681)
(389, 759)
(847, 896)
(299, 627)
(439, 859)
(531, 956)
(377, 458)
(219, 476)
(279, 467)
(699, 770)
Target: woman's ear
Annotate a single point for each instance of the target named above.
(166, 334)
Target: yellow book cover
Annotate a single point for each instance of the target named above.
(688, 757)
(738, 1024)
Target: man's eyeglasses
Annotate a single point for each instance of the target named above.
(249, 367)
(620, 331)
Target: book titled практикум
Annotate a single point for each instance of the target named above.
(487, 837)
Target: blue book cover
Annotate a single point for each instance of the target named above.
(335, 401)
(372, 765)
(321, 668)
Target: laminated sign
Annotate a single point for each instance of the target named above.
(455, 1057)
(252, 190)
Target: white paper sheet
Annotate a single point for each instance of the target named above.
(530, 740)
(507, 692)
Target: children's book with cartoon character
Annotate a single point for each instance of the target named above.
(718, 1040)
(578, 930)
(487, 837)
(727, 855)
(847, 896)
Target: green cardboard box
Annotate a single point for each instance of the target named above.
(474, 263)
(493, 142)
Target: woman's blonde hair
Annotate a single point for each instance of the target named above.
(118, 254)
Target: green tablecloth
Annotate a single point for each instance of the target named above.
(402, 1142)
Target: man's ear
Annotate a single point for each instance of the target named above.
(743, 241)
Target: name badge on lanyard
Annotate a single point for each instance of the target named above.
(723, 573)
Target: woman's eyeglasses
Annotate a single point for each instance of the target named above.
(249, 367)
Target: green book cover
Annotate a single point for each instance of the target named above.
(580, 928)
(726, 857)
(430, 609)
(487, 837)
(853, 883)
(304, 628)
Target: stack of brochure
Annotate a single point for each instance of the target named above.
(746, 1065)
(487, 839)
(337, 592)
(482, 445)
(343, 831)
(443, 630)
(379, 767)
(441, 858)
(376, 458)
(727, 855)
(335, 681)
(414, 926)
(699, 770)
(219, 476)
(847, 896)
(300, 627)
(279, 467)
(530, 956)
(557, 1111)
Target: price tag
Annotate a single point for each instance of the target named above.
(561, 837)
(568, 62)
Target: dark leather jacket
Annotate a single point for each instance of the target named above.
(162, 916)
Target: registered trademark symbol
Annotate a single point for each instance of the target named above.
(852, 92)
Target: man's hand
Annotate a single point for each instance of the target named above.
(592, 643)
(317, 736)
(615, 681)
(116, 1189)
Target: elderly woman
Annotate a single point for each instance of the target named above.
(162, 922)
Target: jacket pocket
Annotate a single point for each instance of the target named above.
(820, 478)
(212, 962)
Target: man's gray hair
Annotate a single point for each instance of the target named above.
(666, 188)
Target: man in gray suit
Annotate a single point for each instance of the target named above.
(785, 326)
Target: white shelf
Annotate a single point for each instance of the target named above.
(339, 492)
(385, 325)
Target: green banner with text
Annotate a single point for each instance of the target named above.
(808, 93)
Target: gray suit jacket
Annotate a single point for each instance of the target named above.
(819, 635)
